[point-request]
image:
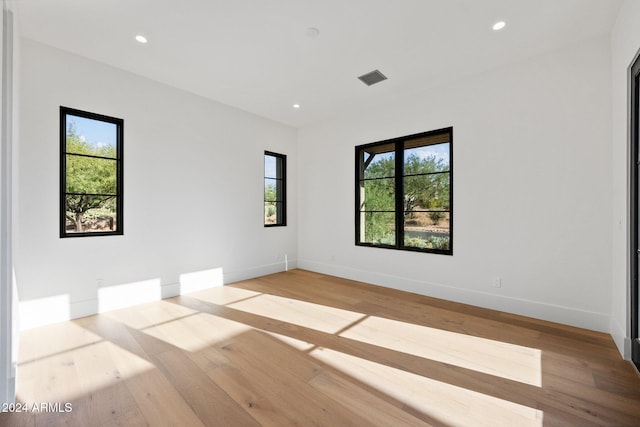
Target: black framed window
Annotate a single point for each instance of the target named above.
(404, 193)
(90, 174)
(275, 189)
(634, 195)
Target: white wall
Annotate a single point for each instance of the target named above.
(193, 189)
(532, 189)
(532, 174)
(625, 44)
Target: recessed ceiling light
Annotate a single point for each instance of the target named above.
(296, 106)
(499, 25)
(141, 39)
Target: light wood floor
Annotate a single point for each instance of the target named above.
(301, 348)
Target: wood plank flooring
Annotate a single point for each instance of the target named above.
(302, 348)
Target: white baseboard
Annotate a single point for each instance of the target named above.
(170, 290)
(619, 335)
(550, 312)
(59, 309)
(262, 270)
(83, 308)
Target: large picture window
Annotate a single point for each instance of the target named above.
(404, 193)
(275, 189)
(90, 174)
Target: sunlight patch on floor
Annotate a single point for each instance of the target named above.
(146, 315)
(223, 295)
(79, 371)
(513, 362)
(448, 404)
(292, 342)
(185, 332)
(314, 316)
(492, 357)
(46, 341)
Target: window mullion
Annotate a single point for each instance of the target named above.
(399, 184)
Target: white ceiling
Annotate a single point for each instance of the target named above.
(256, 55)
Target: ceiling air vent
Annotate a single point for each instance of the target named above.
(372, 78)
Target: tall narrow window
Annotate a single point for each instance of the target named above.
(90, 174)
(634, 196)
(275, 189)
(404, 193)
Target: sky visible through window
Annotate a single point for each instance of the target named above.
(94, 132)
(270, 166)
(439, 151)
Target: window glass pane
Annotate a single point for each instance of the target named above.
(378, 162)
(427, 230)
(426, 192)
(90, 175)
(271, 190)
(92, 137)
(272, 166)
(86, 214)
(378, 228)
(378, 195)
(426, 159)
(273, 212)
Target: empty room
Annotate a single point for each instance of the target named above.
(335, 213)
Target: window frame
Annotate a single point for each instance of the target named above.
(282, 215)
(398, 178)
(119, 123)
